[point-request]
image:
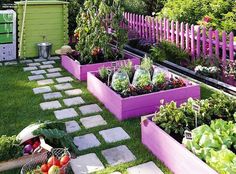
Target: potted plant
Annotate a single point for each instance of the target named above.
(142, 96)
(98, 24)
(181, 135)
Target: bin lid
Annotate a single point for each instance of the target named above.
(44, 44)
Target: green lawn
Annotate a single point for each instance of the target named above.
(19, 107)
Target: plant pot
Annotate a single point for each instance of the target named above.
(173, 154)
(136, 106)
(80, 71)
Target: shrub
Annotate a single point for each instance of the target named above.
(168, 51)
(9, 148)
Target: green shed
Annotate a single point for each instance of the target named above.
(47, 19)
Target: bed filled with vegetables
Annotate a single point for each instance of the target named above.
(146, 78)
(212, 126)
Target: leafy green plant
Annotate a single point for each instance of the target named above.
(57, 138)
(93, 23)
(103, 73)
(128, 68)
(171, 119)
(147, 63)
(9, 148)
(158, 78)
(120, 81)
(142, 78)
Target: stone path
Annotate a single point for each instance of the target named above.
(67, 104)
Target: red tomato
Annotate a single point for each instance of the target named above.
(64, 160)
(53, 161)
(44, 168)
(36, 144)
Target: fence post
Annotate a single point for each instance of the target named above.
(172, 31)
(187, 37)
(224, 44)
(140, 25)
(204, 41)
(143, 28)
(168, 30)
(164, 28)
(161, 31)
(217, 44)
(198, 42)
(231, 46)
(157, 28)
(182, 35)
(177, 33)
(192, 42)
(210, 43)
(146, 26)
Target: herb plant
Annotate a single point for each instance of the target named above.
(158, 78)
(147, 63)
(103, 73)
(128, 68)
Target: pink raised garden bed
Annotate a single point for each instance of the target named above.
(173, 154)
(136, 106)
(80, 71)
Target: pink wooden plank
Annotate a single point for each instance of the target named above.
(172, 32)
(136, 22)
(164, 28)
(143, 27)
(168, 29)
(217, 45)
(210, 43)
(231, 46)
(182, 35)
(146, 28)
(140, 25)
(204, 41)
(187, 37)
(177, 33)
(150, 29)
(192, 42)
(198, 42)
(157, 31)
(224, 47)
(153, 30)
(161, 30)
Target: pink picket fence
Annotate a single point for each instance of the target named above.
(194, 39)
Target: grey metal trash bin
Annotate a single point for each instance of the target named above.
(44, 50)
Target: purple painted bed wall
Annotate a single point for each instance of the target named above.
(136, 106)
(80, 71)
(173, 154)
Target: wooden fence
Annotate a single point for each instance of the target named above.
(194, 39)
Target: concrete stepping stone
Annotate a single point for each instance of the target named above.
(65, 113)
(54, 58)
(40, 60)
(50, 96)
(31, 68)
(53, 75)
(63, 86)
(73, 101)
(64, 79)
(26, 61)
(147, 168)
(86, 141)
(89, 109)
(11, 63)
(36, 77)
(38, 72)
(72, 126)
(50, 105)
(34, 64)
(45, 82)
(114, 135)
(46, 66)
(93, 121)
(48, 62)
(52, 70)
(73, 92)
(118, 155)
(86, 164)
(41, 90)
